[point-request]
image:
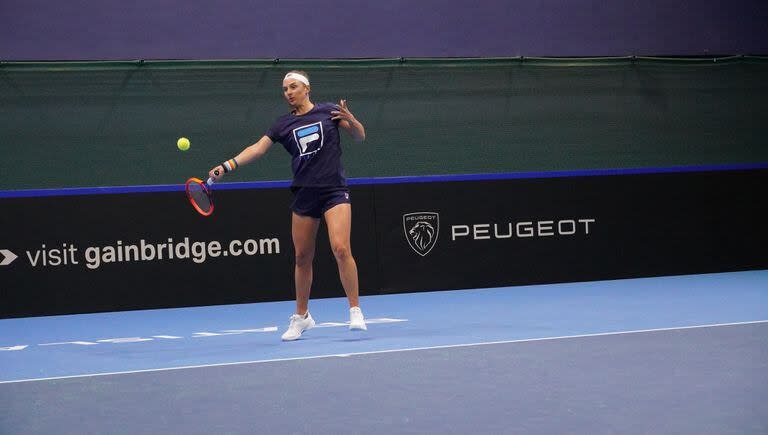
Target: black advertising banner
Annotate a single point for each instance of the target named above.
(88, 253)
(438, 236)
(109, 252)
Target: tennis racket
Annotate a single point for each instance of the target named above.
(200, 195)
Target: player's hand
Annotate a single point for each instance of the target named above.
(216, 173)
(343, 113)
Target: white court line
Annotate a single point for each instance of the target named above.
(447, 346)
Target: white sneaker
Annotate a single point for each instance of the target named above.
(298, 325)
(356, 320)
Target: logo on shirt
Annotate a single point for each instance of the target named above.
(421, 231)
(309, 138)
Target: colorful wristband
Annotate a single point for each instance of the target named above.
(230, 165)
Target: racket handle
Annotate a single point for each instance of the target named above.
(210, 180)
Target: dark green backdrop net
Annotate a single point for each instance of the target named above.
(106, 124)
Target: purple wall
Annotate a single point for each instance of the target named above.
(226, 29)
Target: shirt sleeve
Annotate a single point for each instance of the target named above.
(273, 133)
(332, 107)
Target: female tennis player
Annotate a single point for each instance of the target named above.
(310, 133)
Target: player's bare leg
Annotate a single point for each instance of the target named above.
(304, 232)
(339, 222)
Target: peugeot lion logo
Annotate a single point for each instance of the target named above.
(421, 230)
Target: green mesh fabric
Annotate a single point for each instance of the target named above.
(116, 123)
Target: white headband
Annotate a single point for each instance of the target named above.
(298, 77)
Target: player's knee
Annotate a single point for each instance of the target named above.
(341, 251)
(304, 258)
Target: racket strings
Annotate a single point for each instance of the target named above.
(200, 197)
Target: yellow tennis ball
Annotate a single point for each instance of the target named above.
(183, 143)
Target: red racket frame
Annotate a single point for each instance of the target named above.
(205, 189)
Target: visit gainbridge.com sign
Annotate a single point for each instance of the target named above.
(95, 257)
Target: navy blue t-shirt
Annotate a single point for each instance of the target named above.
(312, 139)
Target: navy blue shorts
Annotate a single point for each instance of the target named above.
(315, 201)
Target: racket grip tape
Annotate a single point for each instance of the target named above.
(210, 180)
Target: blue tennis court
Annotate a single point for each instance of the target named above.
(680, 354)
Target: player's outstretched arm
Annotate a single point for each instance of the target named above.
(251, 153)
